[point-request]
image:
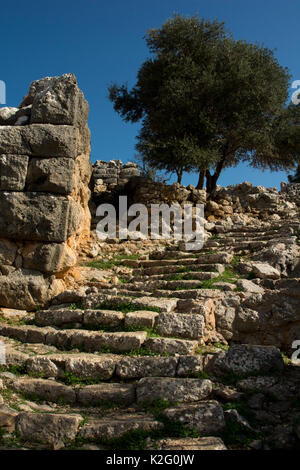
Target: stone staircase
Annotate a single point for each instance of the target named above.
(134, 360)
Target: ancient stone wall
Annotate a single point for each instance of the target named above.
(44, 175)
(108, 176)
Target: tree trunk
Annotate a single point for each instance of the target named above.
(179, 175)
(208, 181)
(212, 179)
(200, 183)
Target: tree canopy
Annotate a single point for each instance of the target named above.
(208, 101)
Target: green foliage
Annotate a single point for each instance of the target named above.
(229, 275)
(296, 177)
(116, 261)
(71, 379)
(208, 101)
(126, 307)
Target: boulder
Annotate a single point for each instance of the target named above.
(58, 101)
(246, 359)
(48, 258)
(25, 289)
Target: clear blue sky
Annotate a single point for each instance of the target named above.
(102, 41)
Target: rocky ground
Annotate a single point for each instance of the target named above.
(155, 347)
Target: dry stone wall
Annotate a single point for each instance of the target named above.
(44, 176)
(108, 176)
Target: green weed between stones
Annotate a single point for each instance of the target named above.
(71, 379)
(126, 307)
(137, 440)
(116, 261)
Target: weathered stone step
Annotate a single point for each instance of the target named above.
(148, 389)
(58, 430)
(172, 389)
(114, 301)
(120, 290)
(190, 293)
(82, 365)
(96, 318)
(88, 395)
(170, 254)
(206, 417)
(168, 277)
(93, 341)
(73, 338)
(150, 285)
(104, 367)
(188, 443)
(237, 237)
(113, 426)
(65, 316)
(249, 243)
(182, 325)
(190, 258)
(155, 270)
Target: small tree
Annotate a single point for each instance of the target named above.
(208, 102)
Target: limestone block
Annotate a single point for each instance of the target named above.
(36, 216)
(59, 101)
(53, 175)
(13, 170)
(41, 140)
(48, 258)
(26, 289)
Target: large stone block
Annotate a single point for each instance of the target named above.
(27, 289)
(58, 100)
(38, 217)
(48, 258)
(13, 170)
(41, 140)
(47, 428)
(53, 175)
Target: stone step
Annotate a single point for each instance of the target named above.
(75, 338)
(249, 243)
(140, 303)
(129, 294)
(114, 426)
(183, 325)
(188, 444)
(194, 275)
(150, 389)
(117, 342)
(103, 367)
(88, 395)
(59, 430)
(150, 285)
(190, 293)
(188, 258)
(155, 270)
(147, 389)
(244, 236)
(207, 417)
